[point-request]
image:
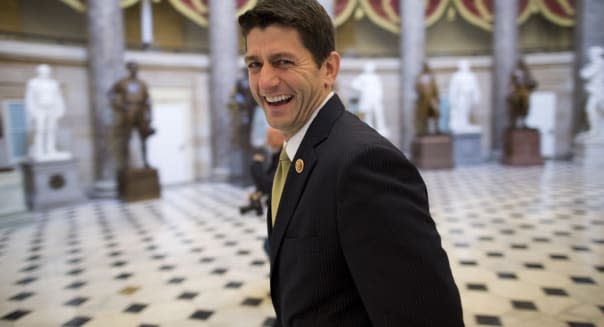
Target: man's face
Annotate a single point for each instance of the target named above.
(284, 79)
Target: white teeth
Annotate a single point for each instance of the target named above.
(278, 98)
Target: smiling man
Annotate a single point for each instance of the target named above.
(352, 242)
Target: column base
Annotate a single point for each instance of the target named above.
(104, 189)
(589, 151)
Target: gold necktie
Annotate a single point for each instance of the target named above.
(278, 182)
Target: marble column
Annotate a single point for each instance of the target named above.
(329, 6)
(589, 31)
(227, 161)
(505, 53)
(412, 51)
(106, 66)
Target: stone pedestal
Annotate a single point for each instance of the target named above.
(589, 152)
(138, 184)
(522, 147)
(50, 184)
(432, 151)
(12, 196)
(466, 149)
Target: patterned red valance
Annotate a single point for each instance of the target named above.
(344, 10)
(81, 4)
(385, 13)
(480, 12)
(196, 10)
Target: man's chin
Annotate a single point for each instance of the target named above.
(280, 126)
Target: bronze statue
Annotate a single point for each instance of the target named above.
(132, 109)
(522, 84)
(426, 106)
(243, 107)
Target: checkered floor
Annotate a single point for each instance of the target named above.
(526, 246)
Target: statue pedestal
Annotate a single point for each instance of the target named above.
(12, 197)
(432, 151)
(138, 184)
(52, 184)
(522, 147)
(467, 148)
(589, 151)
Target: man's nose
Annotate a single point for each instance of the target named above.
(268, 78)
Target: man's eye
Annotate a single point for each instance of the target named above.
(283, 62)
(253, 65)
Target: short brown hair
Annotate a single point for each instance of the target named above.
(308, 17)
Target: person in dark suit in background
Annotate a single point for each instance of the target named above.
(262, 169)
(351, 239)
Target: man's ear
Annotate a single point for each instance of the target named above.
(331, 68)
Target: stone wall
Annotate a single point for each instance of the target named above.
(553, 71)
(18, 61)
(189, 72)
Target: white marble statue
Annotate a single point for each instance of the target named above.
(593, 74)
(369, 86)
(44, 105)
(464, 94)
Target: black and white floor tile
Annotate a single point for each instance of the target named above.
(526, 246)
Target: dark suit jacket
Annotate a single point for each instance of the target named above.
(263, 172)
(353, 242)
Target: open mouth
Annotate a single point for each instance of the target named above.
(278, 100)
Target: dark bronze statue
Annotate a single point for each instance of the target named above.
(426, 106)
(243, 107)
(522, 84)
(132, 110)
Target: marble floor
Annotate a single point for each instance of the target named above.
(526, 246)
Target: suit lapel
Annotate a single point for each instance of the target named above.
(296, 182)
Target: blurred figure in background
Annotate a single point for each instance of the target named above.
(521, 85)
(132, 110)
(370, 90)
(263, 166)
(593, 74)
(427, 110)
(464, 94)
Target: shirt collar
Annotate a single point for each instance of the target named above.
(291, 146)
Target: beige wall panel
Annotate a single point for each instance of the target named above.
(457, 37)
(449, 37)
(358, 38)
(167, 25)
(538, 34)
(53, 19)
(10, 16)
(195, 37)
(132, 26)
